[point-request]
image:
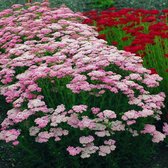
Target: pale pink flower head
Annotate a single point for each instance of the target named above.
(109, 114)
(15, 143)
(95, 110)
(109, 142)
(165, 128)
(79, 108)
(158, 137)
(104, 150)
(130, 122)
(86, 139)
(9, 135)
(150, 129)
(42, 122)
(34, 103)
(73, 150)
(33, 131)
(43, 137)
(59, 109)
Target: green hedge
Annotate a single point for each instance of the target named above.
(85, 5)
(145, 4)
(75, 5)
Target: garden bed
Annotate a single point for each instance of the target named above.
(75, 97)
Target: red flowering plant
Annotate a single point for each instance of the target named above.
(61, 80)
(139, 31)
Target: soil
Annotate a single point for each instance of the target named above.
(161, 160)
(158, 161)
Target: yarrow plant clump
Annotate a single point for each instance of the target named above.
(55, 72)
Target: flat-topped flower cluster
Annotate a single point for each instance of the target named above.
(39, 47)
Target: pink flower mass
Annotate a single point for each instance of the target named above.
(38, 43)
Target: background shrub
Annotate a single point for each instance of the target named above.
(151, 4)
(75, 5)
(86, 5)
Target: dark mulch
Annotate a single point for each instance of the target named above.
(7, 157)
(161, 159)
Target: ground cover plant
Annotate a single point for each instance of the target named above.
(71, 91)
